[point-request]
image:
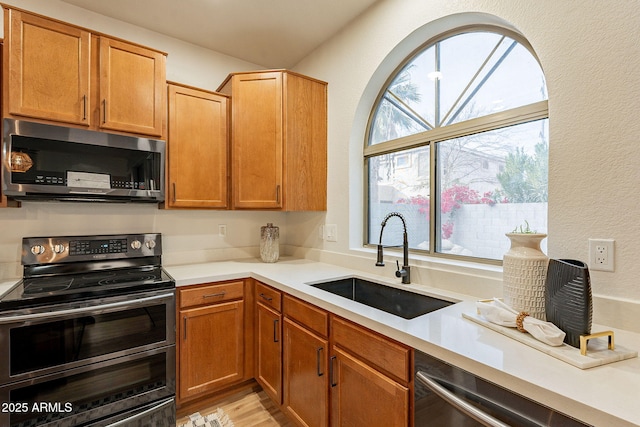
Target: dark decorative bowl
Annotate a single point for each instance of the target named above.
(568, 298)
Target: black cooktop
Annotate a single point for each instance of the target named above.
(31, 292)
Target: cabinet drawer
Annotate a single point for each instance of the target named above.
(308, 315)
(390, 357)
(211, 293)
(268, 296)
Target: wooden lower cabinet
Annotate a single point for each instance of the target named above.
(370, 377)
(211, 351)
(306, 391)
(269, 351)
(319, 368)
(213, 338)
(362, 396)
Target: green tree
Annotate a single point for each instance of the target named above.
(525, 177)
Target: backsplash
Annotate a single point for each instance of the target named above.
(188, 235)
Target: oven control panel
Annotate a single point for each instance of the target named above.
(49, 250)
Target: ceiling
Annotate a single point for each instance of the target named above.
(270, 33)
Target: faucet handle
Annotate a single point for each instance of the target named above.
(404, 272)
(399, 273)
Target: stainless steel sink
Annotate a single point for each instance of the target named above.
(386, 298)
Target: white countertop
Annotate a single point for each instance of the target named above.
(603, 396)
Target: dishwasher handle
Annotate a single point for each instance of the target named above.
(458, 403)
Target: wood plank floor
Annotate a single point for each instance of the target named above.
(248, 408)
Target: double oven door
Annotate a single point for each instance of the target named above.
(98, 363)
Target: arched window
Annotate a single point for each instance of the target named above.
(458, 143)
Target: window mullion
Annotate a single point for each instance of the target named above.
(515, 116)
(432, 198)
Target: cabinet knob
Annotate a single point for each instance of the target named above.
(37, 249)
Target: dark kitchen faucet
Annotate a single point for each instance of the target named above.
(405, 272)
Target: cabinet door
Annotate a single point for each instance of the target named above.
(257, 141)
(269, 352)
(198, 148)
(306, 389)
(132, 84)
(362, 396)
(49, 66)
(211, 347)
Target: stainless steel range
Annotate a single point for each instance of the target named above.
(87, 338)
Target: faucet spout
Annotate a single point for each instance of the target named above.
(405, 272)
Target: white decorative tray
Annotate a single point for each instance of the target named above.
(598, 352)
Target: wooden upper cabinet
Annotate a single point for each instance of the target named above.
(198, 148)
(47, 68)
(257, 143)
(132, 83)
(58, 72)
(279, 140)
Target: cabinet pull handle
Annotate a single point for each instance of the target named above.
(266, 297)
(84, 107)
(104, 111)
(278, 193)
(219, 294)
(331, 371)
(174, 192)
(185, 327)
(275, 330)
(318, 359)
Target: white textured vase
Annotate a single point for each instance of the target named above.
(524, 274)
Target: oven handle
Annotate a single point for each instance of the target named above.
(90, 309)
(458, 403)
(128, 420)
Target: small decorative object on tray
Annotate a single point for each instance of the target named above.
(495, 315)
(499, 313)
(524, 272)
(568, 298)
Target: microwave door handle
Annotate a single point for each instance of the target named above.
(97, 193)
(127, 421)
(458, 403)
(89, 309)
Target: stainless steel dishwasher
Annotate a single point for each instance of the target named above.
(449, 396)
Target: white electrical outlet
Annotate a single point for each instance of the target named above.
(601, 254)
(331, 232)
(222, 230)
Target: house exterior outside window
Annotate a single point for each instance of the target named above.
(458, 143)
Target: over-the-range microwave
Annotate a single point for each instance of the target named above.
(47, 162)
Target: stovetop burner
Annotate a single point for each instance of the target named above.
(72, 282)
(56, 271)
(75, 287)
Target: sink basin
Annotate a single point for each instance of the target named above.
(386, 298)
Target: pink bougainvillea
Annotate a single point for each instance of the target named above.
(450, 200)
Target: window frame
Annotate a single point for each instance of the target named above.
(513, 116)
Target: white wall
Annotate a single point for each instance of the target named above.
(590, 54)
